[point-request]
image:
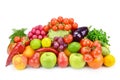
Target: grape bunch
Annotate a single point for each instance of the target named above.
(58, 43)
(37, 32)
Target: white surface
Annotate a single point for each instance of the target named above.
(99, 13)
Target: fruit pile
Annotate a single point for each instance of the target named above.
(59, 43)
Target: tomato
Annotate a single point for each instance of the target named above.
(60, 19)
(46, 28)
(96, 44)
(68, 39)
(75, 25)
(17, 39)
(49, 25)
(60, 26)
(96, 63)
(71, 20)
(86, 42)
(96, 52)
(85, 50)
(66, 21)
(54, 21)
(87, 57)
(67, 27)
(54, 28)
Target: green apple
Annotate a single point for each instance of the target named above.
(76, 61)
(48, 59)
(35, 43)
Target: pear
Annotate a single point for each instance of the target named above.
(62, 60)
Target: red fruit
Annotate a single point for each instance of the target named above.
(62, 60)
(16, 39)
(60, 19)
(54, 21)
(66, 21)
(71, 20)
(46, 28)
(54, 28)
(34, 61)
(85, 50)
(60, 26)
(87, 57)
(68, 39)
(75, 25)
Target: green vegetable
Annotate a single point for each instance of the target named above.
(100, 35)
(59, 33)
(19, 32)
(105, 51)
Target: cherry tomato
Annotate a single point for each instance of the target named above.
(46, 28)
(67, 27)
(54, 28)
(71, 20)
(86, 42)
(68, 39)
(96, 52)
(60, 19)
(66, 21)
(50, 25)
(17, 39)
(85, 50)
(54, 21)
(60, 26)
(75, 25)
(87, 57)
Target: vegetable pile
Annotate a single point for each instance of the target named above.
(59, 43)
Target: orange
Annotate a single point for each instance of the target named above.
(96, 63)
(28, 52)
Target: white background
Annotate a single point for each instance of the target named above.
(103, 14)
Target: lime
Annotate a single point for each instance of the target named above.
(35, 43)
(109, 60)
(74, 47)
(46, 42)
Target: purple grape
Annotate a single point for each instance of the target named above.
(61, 48)
(65, 45)
(60, 40)
(56, 38)
(55, 44)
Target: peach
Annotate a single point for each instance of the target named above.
(19, 61)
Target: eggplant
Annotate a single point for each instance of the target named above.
(80, 33)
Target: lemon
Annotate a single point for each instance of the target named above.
(46, 42)
(109, 60)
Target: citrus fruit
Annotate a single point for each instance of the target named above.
(46, 42)
(109, 60)
(74, 47)
(35, 43)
